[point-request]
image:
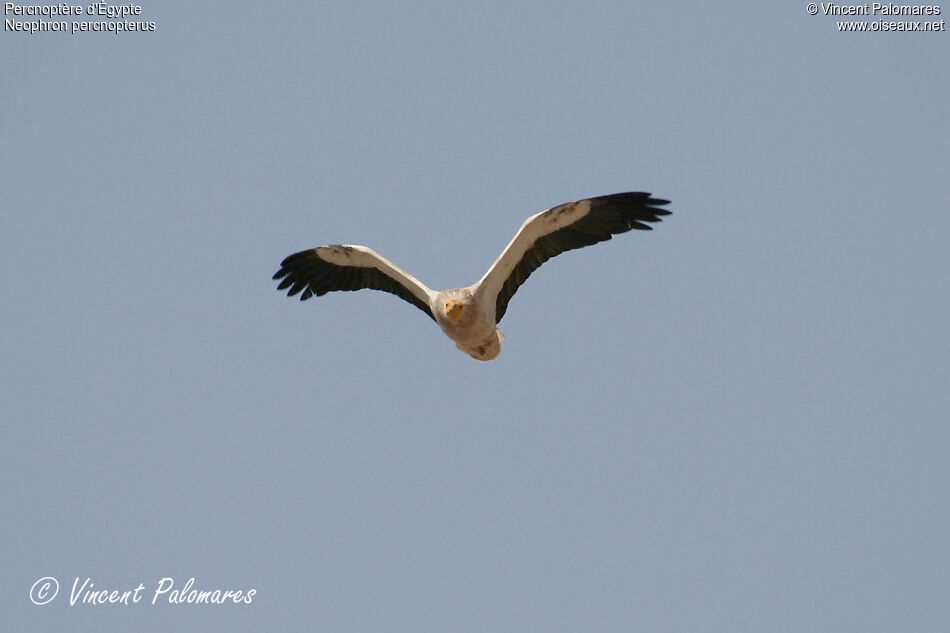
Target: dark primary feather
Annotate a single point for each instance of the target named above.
(305, 273)
(609, 215)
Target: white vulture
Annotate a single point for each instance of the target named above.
(469, 315)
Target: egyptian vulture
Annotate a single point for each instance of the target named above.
(469, 315)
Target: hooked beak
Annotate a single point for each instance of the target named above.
(453, 309)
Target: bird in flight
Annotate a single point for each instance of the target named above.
(469, 315)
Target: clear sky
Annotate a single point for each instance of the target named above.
(735, 422)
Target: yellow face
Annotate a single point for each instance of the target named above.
(453, 309)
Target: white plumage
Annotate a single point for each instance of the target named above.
(469, 315)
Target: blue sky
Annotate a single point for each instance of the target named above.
(735, 422)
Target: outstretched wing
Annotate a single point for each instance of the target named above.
(343, 267)
(563, 228)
